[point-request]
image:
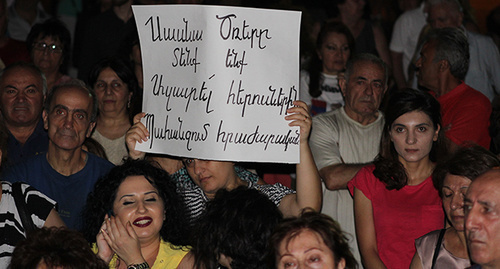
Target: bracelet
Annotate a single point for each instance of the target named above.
(143, 265)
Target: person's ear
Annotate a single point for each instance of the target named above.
(443, 65)
(341, 264)
(45, 117)
(343, 85)
(90, 129)
(436, 134)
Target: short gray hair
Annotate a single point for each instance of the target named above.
(366, 57)
(451, 45)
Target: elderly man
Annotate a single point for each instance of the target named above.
(22, 89)
(484, 67)
(65, 173)
(443, 63)
(346, 139)
(482, 223)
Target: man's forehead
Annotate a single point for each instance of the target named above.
(19, 74)
(367, 69)
(486, 187)
(71, 95)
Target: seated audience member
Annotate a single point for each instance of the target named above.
(22, 209)
(50, 46)
(312, 240)
(482, 225)
(65, 173)
(144, 218)
(447, 248)
(319, 85)
(483, 72)
(395, 201)
(197, 190)
(443, 63)
(347, 139)
(22, 90)
(11, 50)
(234, 230)
(55, 248)
(116, 88)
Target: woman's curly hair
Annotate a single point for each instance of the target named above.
(236, 224)
(56, 247)
(321, 224)
(100, 200)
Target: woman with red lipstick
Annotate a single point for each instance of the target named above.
(144, 218)
(319, 85)
(395, 201)
(452, 179)
(115, 84)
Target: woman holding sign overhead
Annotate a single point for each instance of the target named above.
(199, 180)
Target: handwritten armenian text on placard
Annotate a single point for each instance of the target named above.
(218, 81)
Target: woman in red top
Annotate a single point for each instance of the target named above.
(395, 201)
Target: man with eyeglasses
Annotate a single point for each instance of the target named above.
(22, 90)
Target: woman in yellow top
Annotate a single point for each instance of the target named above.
(144, 219)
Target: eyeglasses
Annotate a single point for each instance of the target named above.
(52, 48)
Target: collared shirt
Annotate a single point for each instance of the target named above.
(37, 142)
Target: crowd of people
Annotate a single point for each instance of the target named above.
(398, 144)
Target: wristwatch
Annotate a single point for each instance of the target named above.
(143, 265)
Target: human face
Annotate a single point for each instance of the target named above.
(482, 219)
(68, 118)
(334, 53)
(21, 97)
(427, 68)
(442, 16)
(412, 134)
(47, 59)
(453, 192)
(112, 93)
(138, 202)
(306, 250)
(212, 176)
(364, 90)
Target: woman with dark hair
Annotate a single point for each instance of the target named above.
(144, 218)
(312, 240)
(395, 201)
(452, 179)
(55, 248)
(234, 230)
(50, 45)
(117, 93)
(319, 86)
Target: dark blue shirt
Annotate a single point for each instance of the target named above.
(37, 143)
(70, 192)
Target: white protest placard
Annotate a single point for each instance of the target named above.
(218, 81)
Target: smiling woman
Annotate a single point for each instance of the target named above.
(144, 218)
(395, 198)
